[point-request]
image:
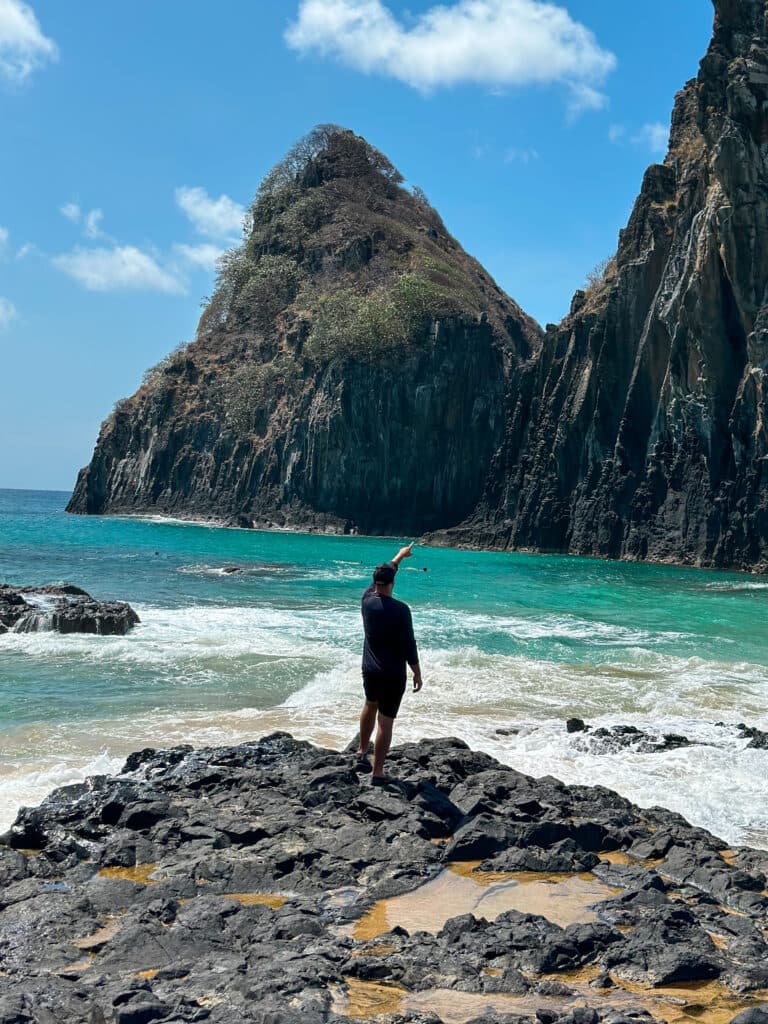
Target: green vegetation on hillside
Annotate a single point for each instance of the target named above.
(337, 248)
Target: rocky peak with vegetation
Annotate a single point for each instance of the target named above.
(356, 369)
(348, 373)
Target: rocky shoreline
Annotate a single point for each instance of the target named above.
(268, 882)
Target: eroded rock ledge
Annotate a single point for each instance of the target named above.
(62, 608)
(224, 885)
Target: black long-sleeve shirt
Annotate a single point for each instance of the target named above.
(389, 640)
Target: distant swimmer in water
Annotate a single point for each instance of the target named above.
(389, 646)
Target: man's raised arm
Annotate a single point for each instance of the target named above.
(405, 552)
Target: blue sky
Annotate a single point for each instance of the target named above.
(135, 132)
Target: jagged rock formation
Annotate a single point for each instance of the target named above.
(62, 608)
(643, 422)
(357, 368)
(349, 372)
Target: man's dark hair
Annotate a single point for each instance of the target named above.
(384, 574)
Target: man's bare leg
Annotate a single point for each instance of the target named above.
(367, 722)
(382, 744)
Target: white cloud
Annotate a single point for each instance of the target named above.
(27, 249)
(4, 236)
(91, 223)
(8, 313)
(585, 97)
(493, 43)
(205, 255)
(23, 47)
(215, 218)
(71, 211)
(520, 156)
(655, 136)
(616, 133)
(118, 267)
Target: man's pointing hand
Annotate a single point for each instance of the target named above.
(405, 552)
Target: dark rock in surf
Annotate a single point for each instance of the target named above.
(62, 608)
(575, 725)
(758, 740)
(614, 738)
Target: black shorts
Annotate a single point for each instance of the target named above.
(384, 691)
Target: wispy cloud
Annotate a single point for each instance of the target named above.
(114, 266)
(91, 224)
(585, 97)
(123, 267)
(71, 211)
(23, 47)
(8, 313)
(654, 136)
(205, 255)
(616, 133)
(4, 237)
(215, 218)
(492, 43)
(89, 221)
(515, 155)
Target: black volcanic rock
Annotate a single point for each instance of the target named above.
(220, 885)
(348, 374)
(614, 738)
(758, 739)
(62, 608)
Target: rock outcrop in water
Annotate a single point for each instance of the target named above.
(236, 884)
(357, 370)
(349, 372)
(62, 608)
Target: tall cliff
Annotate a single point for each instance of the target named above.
(349, 371)
(643, 422)
(357, 369)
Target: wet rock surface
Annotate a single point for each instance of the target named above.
(758, 740)
(614, 738)
(223, 885)
(62, 608)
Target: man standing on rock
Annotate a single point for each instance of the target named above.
(389, 646)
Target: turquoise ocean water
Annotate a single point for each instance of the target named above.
(508, 641)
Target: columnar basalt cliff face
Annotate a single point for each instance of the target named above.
(356, 369)
(644, 436)
(348, 374)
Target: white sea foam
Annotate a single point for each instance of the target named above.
(736, 586)
(469, 692)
